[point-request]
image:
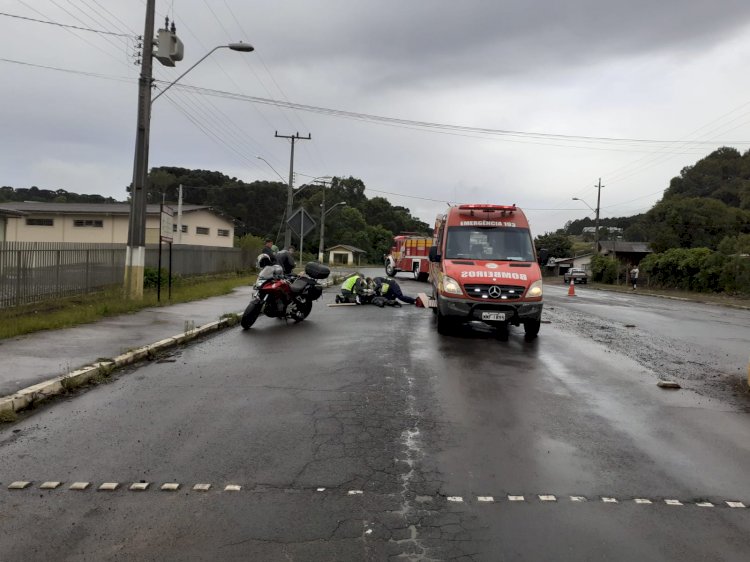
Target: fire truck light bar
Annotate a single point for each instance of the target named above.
(488, 208)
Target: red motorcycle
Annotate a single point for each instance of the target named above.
(279, 296)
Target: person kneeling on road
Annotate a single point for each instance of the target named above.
(391, 291)
(352, 289)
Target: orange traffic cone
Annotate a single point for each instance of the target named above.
(572, 289)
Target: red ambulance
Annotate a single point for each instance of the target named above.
(484, 268)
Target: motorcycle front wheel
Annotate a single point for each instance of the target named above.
(251, 313)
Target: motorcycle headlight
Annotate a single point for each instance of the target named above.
(451, 286)
(536, 290)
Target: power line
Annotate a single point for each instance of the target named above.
(445, 126)
(101, 31)
(69, 71)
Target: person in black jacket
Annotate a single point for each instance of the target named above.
(388, 288)
(285, 258)
(267, 256)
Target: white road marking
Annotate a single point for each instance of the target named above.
(354, 492)
(108, 487)
(642, 501)
(202, 487)
(485, 499)
(609, 500)
(320, 490)
(79, 486)
(50, 485)
(170, 487)
(704, 504)
(19, 485)
(577, 499)
(547, 498)
(457, 499)
(232, 488)
(735, 504)
(673, 502)
(516, 498)
(139, 486)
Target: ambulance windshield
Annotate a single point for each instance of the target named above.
(493, 243)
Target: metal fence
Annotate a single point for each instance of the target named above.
(35, 271)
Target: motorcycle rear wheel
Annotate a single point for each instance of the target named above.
(298, 311)
(251, 313)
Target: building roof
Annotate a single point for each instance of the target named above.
(88, 208)
(10, 213)
(625, 247)
(348, 248)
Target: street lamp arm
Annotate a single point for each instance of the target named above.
(243, 47)
(584, 202)
(274, 169)
(339, 204)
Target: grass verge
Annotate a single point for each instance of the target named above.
(72, 311)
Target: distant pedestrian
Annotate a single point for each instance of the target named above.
(634, 277)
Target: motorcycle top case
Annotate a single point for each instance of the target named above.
(317, 270)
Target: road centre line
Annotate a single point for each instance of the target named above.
(21, 485)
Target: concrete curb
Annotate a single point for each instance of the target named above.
(670, 297)
(59, 385)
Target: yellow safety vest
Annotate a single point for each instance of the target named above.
(349, 283)
(384, 288)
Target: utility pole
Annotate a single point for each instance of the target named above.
(135, 255)
(596, 224)
(290, 192)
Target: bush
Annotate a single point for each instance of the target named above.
(603, 269)
(151, 277)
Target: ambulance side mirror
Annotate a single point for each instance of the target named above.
(434, 256)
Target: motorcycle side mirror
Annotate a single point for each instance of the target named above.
(434, 256)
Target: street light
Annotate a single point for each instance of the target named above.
(135, 255)
(584, 202)
(274, 169)
(323, 215)
(596, 222)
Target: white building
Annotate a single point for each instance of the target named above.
(107, 223)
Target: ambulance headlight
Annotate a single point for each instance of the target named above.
(450, 285)
(536, 289)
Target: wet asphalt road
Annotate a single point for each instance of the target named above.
(361, 399)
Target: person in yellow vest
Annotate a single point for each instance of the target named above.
(390, 289)
(351, 289)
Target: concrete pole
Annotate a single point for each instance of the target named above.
(289, 198)
(135, 255)
(596, 224)
(290, 189)
(322, 226)
(179, 216)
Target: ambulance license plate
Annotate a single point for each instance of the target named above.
(497, 316)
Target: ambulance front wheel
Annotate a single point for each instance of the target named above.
(445, 326)
(531, 329)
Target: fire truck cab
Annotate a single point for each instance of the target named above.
(409, 253)
(484, 268)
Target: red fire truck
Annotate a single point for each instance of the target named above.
(409, 253)
(484, 268)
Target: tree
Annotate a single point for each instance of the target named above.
(557, 245)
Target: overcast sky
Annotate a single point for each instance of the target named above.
(672, 71)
